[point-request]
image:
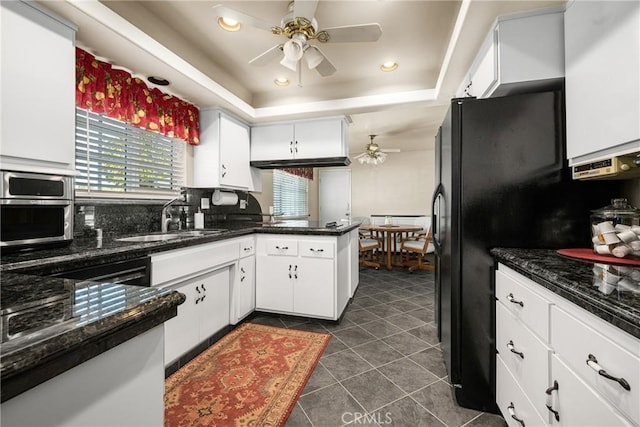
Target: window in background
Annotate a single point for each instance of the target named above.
(116, 159)
(290, 195)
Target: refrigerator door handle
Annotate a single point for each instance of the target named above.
(435, 218)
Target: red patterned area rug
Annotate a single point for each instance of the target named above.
(253, 376)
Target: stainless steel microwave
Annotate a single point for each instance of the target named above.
(36, 209)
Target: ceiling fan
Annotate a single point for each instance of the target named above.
(300, 27)
(373, 154)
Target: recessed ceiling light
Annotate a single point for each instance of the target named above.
(389, 66)
(281, 81)
(228, 24)
(158, 81)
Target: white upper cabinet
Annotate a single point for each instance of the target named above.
(222, 158)
(38, 89)
(520, 53)
(602, 42)
(290, 142)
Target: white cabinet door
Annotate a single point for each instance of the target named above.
(272, 142)
(319, 138)
(313, 287)
(274, 282)
(246, 286)
(204, 312)
(512, 401)
(602, 55)
(520, 54)
(234, 153)
(222, 157)
(182, 333)
(38, 90)
(577, 404)
(213, 308)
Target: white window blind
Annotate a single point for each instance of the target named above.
(290, 194)
(115, 158)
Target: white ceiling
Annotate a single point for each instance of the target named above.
(434, 43)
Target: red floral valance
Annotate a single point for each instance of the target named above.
(106, 90)
(302, 172)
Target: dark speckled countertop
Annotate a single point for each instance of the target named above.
(50, 325)
(88, 251)
(581, 283)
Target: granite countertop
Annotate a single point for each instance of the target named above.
(50, 325)
(581, 282)
(89, 250)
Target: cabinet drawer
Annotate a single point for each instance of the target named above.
(574, 341)
(577, 404)
(512, 401)
(525, 355)
(247, 247)
(317, 249)
(281, 247)
(528, 306)
(182, 264)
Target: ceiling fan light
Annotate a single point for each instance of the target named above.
(228, 24)
(292, 53)
(313, 57)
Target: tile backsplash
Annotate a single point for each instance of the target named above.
(137, 216)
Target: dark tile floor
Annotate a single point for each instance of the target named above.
(383, 365)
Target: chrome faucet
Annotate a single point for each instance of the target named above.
(166, 216)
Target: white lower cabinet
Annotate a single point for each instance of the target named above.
(577, 404)
(516, 408)
(300, 276)
(204, 312)
(244, 289)
(571, 367)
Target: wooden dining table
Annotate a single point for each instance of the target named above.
(389, 233)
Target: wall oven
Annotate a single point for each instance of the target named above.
(36, 209)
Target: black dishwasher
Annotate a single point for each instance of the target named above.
(129, 272)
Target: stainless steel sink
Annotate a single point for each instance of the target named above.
(159, 237)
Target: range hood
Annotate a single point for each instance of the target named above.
(301, 163)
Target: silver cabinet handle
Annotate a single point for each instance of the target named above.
(284, 248)
(593, 364)
(248, 249)
(289, 271)
(316, 250)
(295, 272)
(224, 170)
(512, 412)
(512, 300)
(512, 349)
(291, 147)
(549, 403)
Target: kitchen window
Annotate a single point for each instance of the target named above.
(115, 159)
(290, 195)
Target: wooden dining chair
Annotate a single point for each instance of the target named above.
(369, 247)
(416, 246)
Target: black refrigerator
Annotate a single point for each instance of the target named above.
(501, 181)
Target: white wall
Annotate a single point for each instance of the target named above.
(402, 185)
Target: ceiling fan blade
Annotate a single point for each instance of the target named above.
(389, 150)
(304, 8)
(353, 33)
(325, 68)
(242, 18)
(360, 155)
(268, 56)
